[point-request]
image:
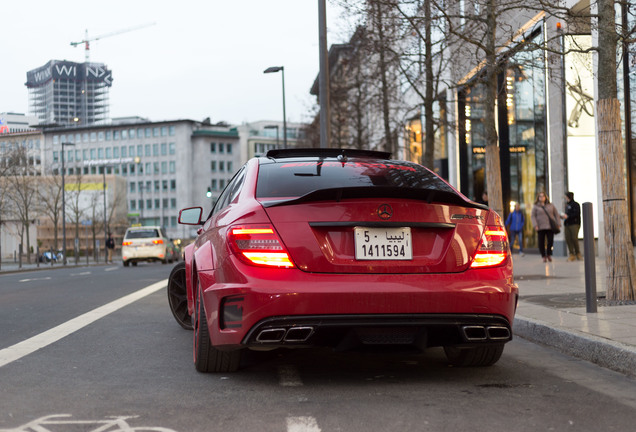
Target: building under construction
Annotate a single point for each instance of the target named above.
(66, 93)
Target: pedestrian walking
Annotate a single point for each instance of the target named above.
(110, 246)
(572, 225)
(545, 220)
(484, 198)
(515, 222)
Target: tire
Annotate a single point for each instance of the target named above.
(178, 296)
(134, 263)
(206, 357)
(486, 355)
(126, 263)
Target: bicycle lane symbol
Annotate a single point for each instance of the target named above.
(54, 423)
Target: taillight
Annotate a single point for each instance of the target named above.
(259, 245)
(126, 243)
(158, 241)
(493, 248)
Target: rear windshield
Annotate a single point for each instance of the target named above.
(142, 233)
(298, 178)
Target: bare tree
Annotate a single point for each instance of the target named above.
(22, 192)
(50, 197)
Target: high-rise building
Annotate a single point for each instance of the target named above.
(66, 93)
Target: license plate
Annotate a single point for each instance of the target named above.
(383, 243)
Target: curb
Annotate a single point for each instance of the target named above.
(603, 352)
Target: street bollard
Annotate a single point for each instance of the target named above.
(589, 256)
(37, 257)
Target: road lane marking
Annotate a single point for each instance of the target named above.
(26, 347)
(35, 279)
(302, 424)
(81, 274)
(111, 268)
(288, 376)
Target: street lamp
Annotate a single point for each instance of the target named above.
(273, 127)
(281, 69)
(64, 204)
(105, 219)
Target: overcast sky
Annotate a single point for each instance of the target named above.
(201, 58)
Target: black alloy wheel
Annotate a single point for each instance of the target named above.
(178, 296)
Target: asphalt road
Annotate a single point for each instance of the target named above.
(131, 369)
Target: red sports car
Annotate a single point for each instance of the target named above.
(345, 248)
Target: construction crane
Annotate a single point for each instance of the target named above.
(86, 42)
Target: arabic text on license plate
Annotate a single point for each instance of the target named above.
(383, 243)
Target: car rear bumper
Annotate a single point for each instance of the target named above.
(143, 253)
(439, 307)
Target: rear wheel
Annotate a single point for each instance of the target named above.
(126, 263)
(206, 357)
(178, 296)
(486, 355)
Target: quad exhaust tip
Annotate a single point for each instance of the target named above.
(474, 333)
(292, 334)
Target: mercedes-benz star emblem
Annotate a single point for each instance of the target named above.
(385, 211)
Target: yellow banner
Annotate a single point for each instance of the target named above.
(73, 187)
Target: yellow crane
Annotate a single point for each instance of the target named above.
(86, 41)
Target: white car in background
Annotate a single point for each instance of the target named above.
(145, 243)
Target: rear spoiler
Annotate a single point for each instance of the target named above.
(338, 194)
(326, 152)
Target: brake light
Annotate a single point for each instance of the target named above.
(157, 241)
(493, 248)
(259, 245)
(126, 243)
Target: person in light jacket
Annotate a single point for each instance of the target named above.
(542, 212)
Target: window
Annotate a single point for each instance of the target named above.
(172, 148)
(228, 148)
(155, 132)
(213, 166)
(148, 168)
(93, 154)
(172, 167)
(171, 130)
(147, 133)
(132, 187)
(133, 205)
(124, 134)
(131, 134)
(147, 149)
(221, 166)
(229, 166)
(164, 149)
(93, 136)
(85, 154)
(100, 136)
(173, 203)
(164, 131)
(212, 147)
(108, 156)
(100, 153)
(156, 185)
(221, 147)
(155, 149)
(116, 135)
(173, 185)
(108, 135)
(155, 167)
(164, 167)
(231, 192)
(123, 151)
(157, 203)
(141, 204)
(164, 186)
(140, 150)
(56, 157)
(116, 152)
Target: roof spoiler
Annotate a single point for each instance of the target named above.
(325, 152)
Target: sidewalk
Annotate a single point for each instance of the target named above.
(552, 311)
(12, 267)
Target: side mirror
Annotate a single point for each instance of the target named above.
(191, 216)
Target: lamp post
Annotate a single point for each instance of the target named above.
(273, 127)
(105, 218)
(64, 204)
(281, 69)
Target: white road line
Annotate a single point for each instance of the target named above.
(302, 424)
(111, 268)
(288, 376)
(21, 349)
(81, 274)
(35, 279)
